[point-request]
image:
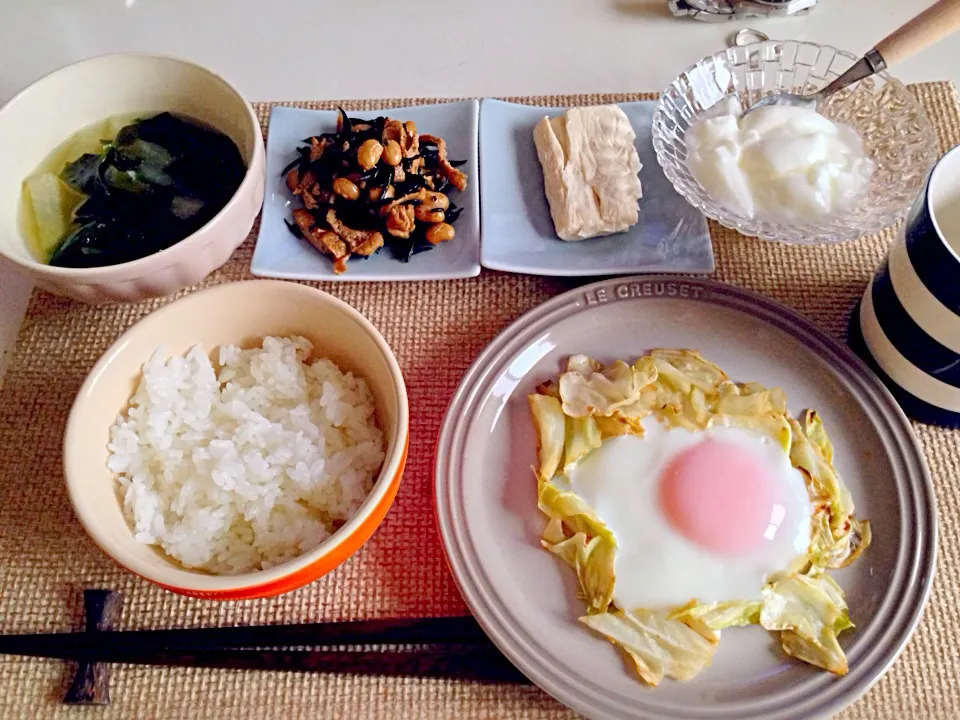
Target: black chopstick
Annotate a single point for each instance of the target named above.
(402, 631)
(471, 664)
(450, 647)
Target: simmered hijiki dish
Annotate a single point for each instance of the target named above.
(374, 183)
(688, 503)
(121, 189)
(242, 464)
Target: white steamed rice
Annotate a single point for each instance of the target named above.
(247, 465)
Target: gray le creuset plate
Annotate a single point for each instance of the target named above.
(526, 599)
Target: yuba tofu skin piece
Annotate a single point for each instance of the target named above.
(590, 171)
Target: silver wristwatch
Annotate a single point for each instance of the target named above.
(719, 10)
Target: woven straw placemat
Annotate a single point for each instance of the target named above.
(436, 329)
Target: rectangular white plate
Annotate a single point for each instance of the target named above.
(279, 254)
(518, 233)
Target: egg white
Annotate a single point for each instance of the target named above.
(657, 567)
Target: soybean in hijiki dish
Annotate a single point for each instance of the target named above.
(126, 188)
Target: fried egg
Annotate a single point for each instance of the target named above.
(704, 515)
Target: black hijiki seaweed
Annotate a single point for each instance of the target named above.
(294, 229)
(403, 249)
(303, 154)
(453, 213)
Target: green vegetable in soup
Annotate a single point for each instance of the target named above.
(88, 140)
(131, 190)
(82, 173)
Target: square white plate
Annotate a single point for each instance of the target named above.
(279, 254)
(518, 233)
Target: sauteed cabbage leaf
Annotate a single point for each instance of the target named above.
(657, 645)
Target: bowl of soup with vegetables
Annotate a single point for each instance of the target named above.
(127, 176)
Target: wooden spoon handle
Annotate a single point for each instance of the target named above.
(927, 28)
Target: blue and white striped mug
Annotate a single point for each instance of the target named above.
(907, 326)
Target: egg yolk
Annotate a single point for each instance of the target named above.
(721, 498)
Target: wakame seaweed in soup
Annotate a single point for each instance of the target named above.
(159, 180)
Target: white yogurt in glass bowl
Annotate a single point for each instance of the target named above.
(781, 164)
(826, 201)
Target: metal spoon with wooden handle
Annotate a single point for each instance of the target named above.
(927, 28)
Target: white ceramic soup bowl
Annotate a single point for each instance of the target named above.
(47, 112)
